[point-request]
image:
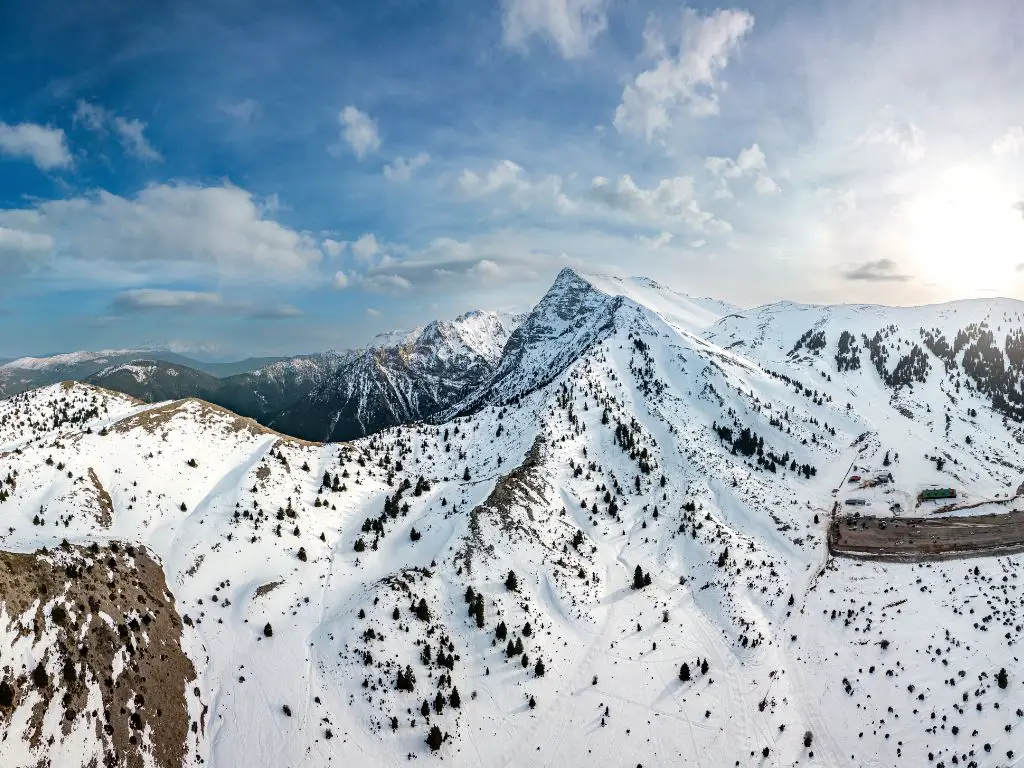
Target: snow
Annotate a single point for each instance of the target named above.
(517, 486)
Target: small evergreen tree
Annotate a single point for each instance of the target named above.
(439, 703)
(501, 632)
(527, 629)
(539, 669)
(511, 582)
(422, 611)
(638, 578)
(455, 701)
(434, 738)
(684, 672)
(479, 612)
(1001, 679)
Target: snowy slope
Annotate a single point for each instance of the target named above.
(612, 436)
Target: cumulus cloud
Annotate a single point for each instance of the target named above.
(510, 180)
(1010, 143)
(685, 72)
(131, 133)
(340, 281)
(191, 229)
(45, 146)
(366, 247)
(402, 169)
(892, 130)
(334, 248)
(571, 26)
(877, 271)
(360, 131)
(21, 251)
(657, 242)
(196, 302)
(750, 162)
(672, 201)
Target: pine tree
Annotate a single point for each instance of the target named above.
(511, 582)
(519, 645)
(539, 669)
(425, 708)
(1001, 679)
(422, 611)
(434, 738)
(479, 612)
(455, 701)
(470, 595)
(527, 629)
(395, 614)
(684, 672)
(638, 578)
(439, 703)
(704, 667)
(501, 632)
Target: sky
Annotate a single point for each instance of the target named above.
(236, 178)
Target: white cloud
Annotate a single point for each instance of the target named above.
(689, 78)
(46, 147)
(1010, 143)
(243, 110)
(372, 312)
(21, 251)
(750, 162)
(765, 185)
(131, 133)
(510, 180)
(334, 248)
(360, 131)
(145, 299)
(366, 247)
(178, 228)
(205, 302)
(570, 25)
(341, 280)
(672, 202)
(387, 282)
(894, 131)
(657, 242)
(94, 118)
(402, 169)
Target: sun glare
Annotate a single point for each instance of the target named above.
(964, 231)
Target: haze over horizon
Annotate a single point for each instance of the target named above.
(273, 180)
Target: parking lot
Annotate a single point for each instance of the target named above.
(914, 539)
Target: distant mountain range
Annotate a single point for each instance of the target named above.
(402, 376)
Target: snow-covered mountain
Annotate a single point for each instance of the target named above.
(403, 378)
(614, 551)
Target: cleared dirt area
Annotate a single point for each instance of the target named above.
(915, 539)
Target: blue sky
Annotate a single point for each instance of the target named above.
(264, 178)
